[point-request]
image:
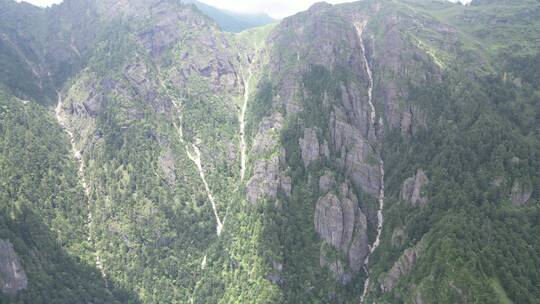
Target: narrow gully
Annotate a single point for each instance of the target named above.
(242, 120)
(360, 27)
(77, 155)
(194, 154)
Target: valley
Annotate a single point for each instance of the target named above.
(367, 152)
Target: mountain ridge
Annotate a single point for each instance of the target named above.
(187, 164)
(232, 21)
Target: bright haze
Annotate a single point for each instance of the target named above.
(275, 8)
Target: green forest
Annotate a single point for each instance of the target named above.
(366, 152)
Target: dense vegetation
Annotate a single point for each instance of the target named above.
(480, 140)
(152, 88)
(472, 225)
(43, 209)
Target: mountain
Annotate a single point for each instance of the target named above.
(231, 21)
(369, 152)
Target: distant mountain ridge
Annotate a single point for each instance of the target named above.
(231, 21)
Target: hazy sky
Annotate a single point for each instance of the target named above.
(276, 8)
(41, 2)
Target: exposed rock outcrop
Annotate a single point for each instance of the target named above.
(266, 178)
(497, 181)
(167, 163)
(355, 154)
(341, 224)
(412, 189)
(264, 182)
(276, 275)
(398, 60)
(309, 146)
(12, 275)
(402, 267)
(329, 219)
(419, 299)
(520, 194)
(286, 185)
(327, 182)
(398, 237)
(266, 139)
(168, 17)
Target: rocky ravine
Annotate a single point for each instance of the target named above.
(194, 154)
(78, 157)
(360, 27)
(242, 121)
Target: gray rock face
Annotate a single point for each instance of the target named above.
(327, 182)
(402, 267)
(498, 181)
(341, 224)
(266, 178)
(12, 275)
(329, 220)
(167, 165)
(309, 145)
(266, 140)
(168, 18)
(419, 298)
(356, 155)
(214, 66)
(275, 276)
(93, 105)
(520, 194)
(286, 185)
(352, 138)
(140, 79)
(359, 246)
(398, 60)
(325, 150)
(398, 237)
(137, 74)
(412, 189)
(307, 40)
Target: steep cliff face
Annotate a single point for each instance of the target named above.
(402, 267)
(412, 189)
(520, 194)
(328, 148)
(13, 277)
(339, 90)
(341, 224)
(321, 93)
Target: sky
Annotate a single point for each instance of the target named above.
(275, 8)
